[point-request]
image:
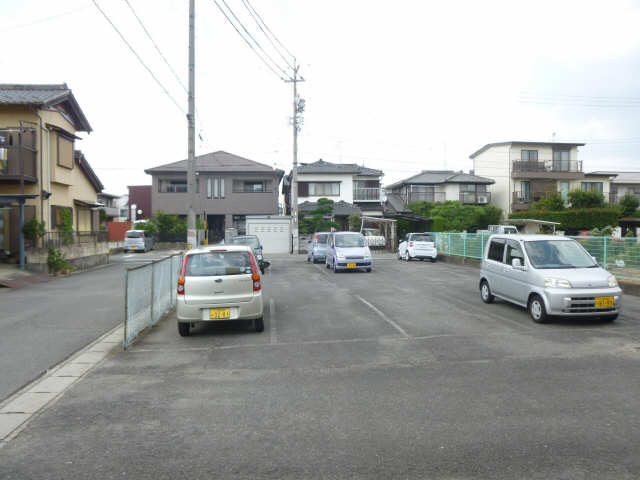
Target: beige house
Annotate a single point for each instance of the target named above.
(525, 172)
(39, 164)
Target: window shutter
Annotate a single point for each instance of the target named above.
(303, 189)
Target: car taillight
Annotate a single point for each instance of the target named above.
(315, 238)
(411, 244)
(181, 277)
(255, 276)
(142, 236)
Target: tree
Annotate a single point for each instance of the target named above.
(629, 205)
(588, 199)
(148, 227)
(33, 229)
(552, 203)
(355, 222)
(318, 219)
(166, 223)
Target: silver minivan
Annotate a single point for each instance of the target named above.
(548, 275)
(137, 241)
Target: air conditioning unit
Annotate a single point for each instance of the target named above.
(483, 199)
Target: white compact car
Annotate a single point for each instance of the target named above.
(418, 245)
(219, 283)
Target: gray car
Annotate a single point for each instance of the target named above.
(348, 251)
(137, 241)
(548, 275)
(318, 246)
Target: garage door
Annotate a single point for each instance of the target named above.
(275, 235)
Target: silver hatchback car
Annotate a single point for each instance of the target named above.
(550, 276)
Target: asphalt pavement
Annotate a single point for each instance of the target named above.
(398, 373)
(44, 323)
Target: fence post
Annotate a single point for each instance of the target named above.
(152, 283)
(126, 309)
(604, 253)
(481, 245)
(448, 244)
(464, 244)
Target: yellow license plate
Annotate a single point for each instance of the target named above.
(133, 247)
(218, 313)
(604, 302)
(351, 265)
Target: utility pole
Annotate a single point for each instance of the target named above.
(298, 107)
(191, 154)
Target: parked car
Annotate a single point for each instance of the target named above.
(374, 238)
(548, 275)
(219, 283)
(317, 249)
(348, 251)
(506, 229)
(137, 241)
(254, 242)
(418, 245)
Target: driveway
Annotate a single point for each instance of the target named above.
(399, 373)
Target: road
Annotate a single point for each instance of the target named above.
(42, 324)
(400, 373)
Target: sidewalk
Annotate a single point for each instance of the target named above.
(12, 277)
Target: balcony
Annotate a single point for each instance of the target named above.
(17, 164)
(366, 194)
(475, 198)
(522, 200)
(431, 197)
(553, 169)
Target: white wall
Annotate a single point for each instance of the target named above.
(494, 163)
(346, 185)
(452, 191)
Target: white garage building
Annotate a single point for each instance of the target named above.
(274, 232)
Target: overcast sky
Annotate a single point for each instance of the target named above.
(401, 86)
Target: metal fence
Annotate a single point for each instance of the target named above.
(620, 256)
(150, 293)
(60, 239)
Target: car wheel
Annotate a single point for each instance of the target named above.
(485, 292)
(368, 270)
(184, 329)
(309, 259)
(610, 318)
(399, 256)
(537, 309)
(258, 324)
(433, 260)
(326, 263)
(407, 257)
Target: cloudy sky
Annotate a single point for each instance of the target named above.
(401, 86)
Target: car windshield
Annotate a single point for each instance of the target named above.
(134, 234)
(558, 254)
(218, 264)
(249, 241)
(422, 238)
(349, 241)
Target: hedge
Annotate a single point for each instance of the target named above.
(575, 219)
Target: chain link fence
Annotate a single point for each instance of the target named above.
(150, 293)
(620, 256)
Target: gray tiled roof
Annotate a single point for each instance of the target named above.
(620, 177)
(219, 162)
(430, 177)
(44, 95)
(340, 208)
(327, 167)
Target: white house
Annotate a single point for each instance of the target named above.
(525, 172)
(341, 182)
(621, 184)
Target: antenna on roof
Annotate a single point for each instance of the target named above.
(553, 137)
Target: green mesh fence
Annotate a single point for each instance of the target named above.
(620, 256)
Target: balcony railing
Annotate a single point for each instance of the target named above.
(475, 198)
(432, 197)
(366, 194)
(16, 162)
(574, 166)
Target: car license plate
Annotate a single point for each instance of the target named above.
(218, 313)
(133, 247)
(604, 302)
(351, 265)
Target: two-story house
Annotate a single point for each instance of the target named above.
(109, 205)
(621, 184)
(355, 187)
(525, 172)
(40, 167)
(228, 188)
(437, 186)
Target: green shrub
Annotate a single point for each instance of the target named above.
(595, 232)
(629, 205)
(575, 219)
(355, 222)
(586, 199)
(66, 227)
(630, 234)
(553, 203)
(57, 261)
(148, 227)
(606, 231)
(33, 229)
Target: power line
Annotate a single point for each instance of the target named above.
(45, 19)
(269, 30)
(166, 92)
(247, 41)
(254, 40)
(249, 9)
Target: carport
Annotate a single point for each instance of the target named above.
(7, 201)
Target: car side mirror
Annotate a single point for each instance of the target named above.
(517, 264)
(595, 260)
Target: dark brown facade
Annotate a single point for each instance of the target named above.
(140, 196)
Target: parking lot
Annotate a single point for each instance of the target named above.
(398, 373)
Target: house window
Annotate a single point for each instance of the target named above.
(65, 152)
(56, 215)
(529, 155)
(172, 186)
(252, 186)
(561, 160)
(592, 186)
(472, 187)
(324, 189)
(525, 191)
(240, 224)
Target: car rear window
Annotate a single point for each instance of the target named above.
(422, 238)
(252, 242)
(134, 234)
(218, 264)
(321, 237)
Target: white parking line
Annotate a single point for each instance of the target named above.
(384, 317)
(273, 334)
